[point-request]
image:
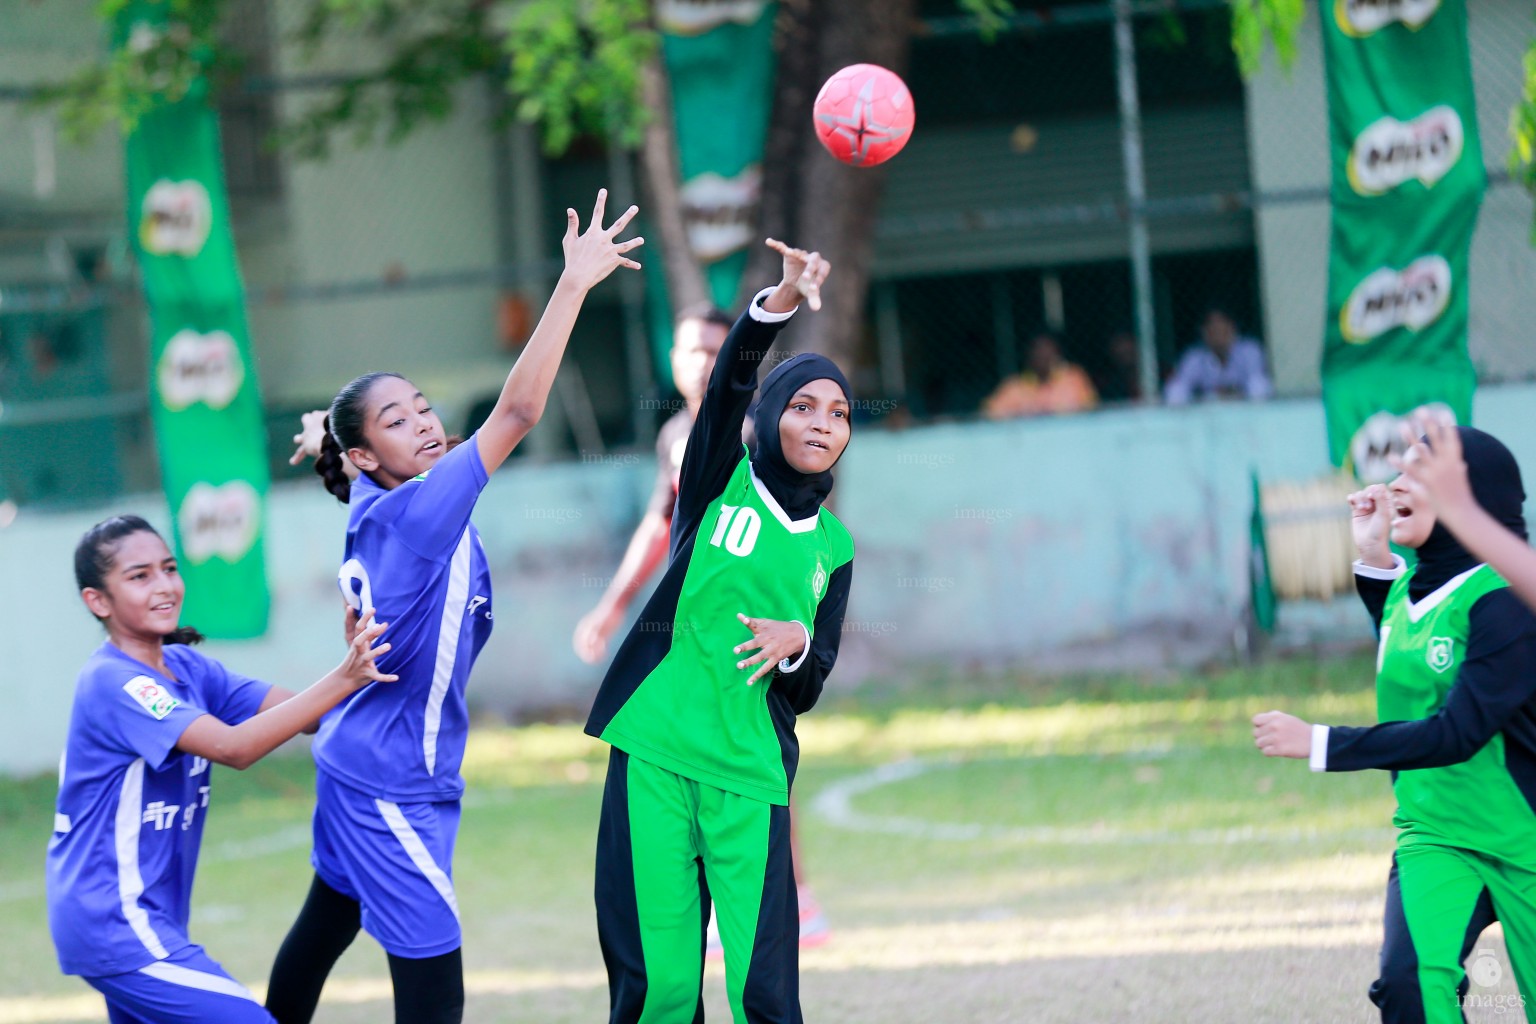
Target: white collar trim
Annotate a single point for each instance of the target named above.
(1418, 609)
(792, 525)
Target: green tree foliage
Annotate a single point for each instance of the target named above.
(1257, 23)
(1522, 128)
(145, 68)
(572, 67)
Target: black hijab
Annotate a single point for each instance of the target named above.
(1495, 479)
(798, 494)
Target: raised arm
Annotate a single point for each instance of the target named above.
(1438, 475)
(590, 256)
(1371, 525)
(1496, 679)
(714, 444)
(240, 746)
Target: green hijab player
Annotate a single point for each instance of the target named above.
(700, 701)
(1456, 698)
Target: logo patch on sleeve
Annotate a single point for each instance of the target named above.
(151, 696)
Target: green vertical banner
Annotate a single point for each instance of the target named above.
(204, 399)
(719, 61)
(1407, 180)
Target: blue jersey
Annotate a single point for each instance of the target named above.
(413, 556)
(129, 817)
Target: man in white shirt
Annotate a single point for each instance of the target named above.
(1223, 364)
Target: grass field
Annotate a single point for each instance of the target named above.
(987, 849)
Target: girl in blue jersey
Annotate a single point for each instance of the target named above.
(387, 779)
(150, 715)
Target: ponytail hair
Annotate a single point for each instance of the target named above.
(344, 431)
(96, 554)
(330, 468)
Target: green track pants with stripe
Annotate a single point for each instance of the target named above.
(668, 845)
(1439, 900)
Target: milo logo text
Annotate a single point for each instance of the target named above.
(219, 521)
(1413, 297)
(720, 213)
(1391, 152)
(1366, 17)
(175, 218)
(200, 368)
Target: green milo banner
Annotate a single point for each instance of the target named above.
(1407, 180)
(719, 61)
(204, 400)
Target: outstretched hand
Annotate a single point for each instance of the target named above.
(358, 666)
(306, 443)
(803, 274)
(591, 255)
(1434, 469)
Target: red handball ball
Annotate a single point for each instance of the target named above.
(864, 115)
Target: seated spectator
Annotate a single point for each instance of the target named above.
(1222, 364)
(1049, 384)
(1119, 377)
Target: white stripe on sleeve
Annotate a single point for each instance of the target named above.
(447, 647)
(130, 884)
(417, 851)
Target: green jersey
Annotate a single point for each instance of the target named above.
(673, 696)
(1475, 803)
(694, 714)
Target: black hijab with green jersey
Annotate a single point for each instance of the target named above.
(798, 494)
(1495, 478)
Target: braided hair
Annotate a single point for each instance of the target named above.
(96, 554)
(344, 431)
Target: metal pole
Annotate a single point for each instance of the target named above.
(1136, 198)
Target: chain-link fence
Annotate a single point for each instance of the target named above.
(1007, 218)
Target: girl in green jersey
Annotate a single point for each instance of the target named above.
(1456, 698)
(700, 702)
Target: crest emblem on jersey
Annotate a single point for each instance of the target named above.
(1439, 653)
(819, 581)
(151, 696)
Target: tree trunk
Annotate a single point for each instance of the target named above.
(810, 199)
(686, 285)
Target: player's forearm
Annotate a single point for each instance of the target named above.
(1399, 746)
(785, 298)
(740, 356)
(240, 746)
(1492, 542)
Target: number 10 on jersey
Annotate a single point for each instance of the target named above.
(736, 529)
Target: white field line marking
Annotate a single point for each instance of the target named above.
(88, 1006)
(835, 805)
